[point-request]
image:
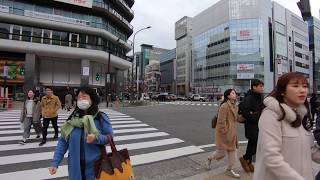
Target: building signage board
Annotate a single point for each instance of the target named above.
(245, 67)
(85, 71)
(245, 75)
(84, 3)
(4, 9)
(244, 35)
(57, 18)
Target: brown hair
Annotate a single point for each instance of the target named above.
(280, 89)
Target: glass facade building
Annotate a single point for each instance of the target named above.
(66, 44)
(233, 49)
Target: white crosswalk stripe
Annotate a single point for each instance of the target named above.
(146, 144)
(190, 103)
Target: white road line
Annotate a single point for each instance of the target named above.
(129, 125)
(14, 159)
(133, 146)
(42, 173)
(214, 145)
(115, 131)
(61, 122)
(116, 138)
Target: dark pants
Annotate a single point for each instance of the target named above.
(54, 122)
(251, 149)
(318, 176)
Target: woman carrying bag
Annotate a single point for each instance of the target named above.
(226, 133)
(83, 134)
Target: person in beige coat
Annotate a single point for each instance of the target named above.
(284, 143)
(226, 132)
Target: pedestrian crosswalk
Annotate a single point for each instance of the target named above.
(146, 144)
(188, 103)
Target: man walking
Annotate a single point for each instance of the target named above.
(50, 105)
(251, 109)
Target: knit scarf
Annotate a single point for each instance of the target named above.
(86, 122)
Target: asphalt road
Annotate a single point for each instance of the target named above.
(191, 123)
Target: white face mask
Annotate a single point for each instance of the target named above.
(83, 104)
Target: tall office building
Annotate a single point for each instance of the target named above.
(314, 46)
(63, 43)
(290, 43)
(183, 28)
(167, 71)
(231, 46)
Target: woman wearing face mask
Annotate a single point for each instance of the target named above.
(30, 115)
(283, 151)
(81, 135)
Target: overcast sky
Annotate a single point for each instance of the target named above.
(162, 14)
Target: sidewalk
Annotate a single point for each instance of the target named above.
(218, 168)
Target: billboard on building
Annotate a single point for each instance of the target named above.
(84, 3)
(245, 75)
(245, 67)
(244, 35)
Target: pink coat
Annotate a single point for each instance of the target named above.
(283, 152)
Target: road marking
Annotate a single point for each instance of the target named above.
(132, 146)
(214, 145)
(115, 131)
(42, 173)
(129, 125)
(116, 138)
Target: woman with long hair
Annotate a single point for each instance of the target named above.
(226, 132)
(284, 142)
(84, 132)
(30, 115)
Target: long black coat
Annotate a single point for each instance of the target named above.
(251, 110)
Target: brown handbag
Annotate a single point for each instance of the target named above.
(115, 165)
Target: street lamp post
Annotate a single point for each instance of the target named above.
(134, 36)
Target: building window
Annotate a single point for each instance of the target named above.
(4, 31)
(46, 36)
(36, 35)
(64, 39)
(298, 45)
(298, 54)
(56, 38)
(16, 32)
(26, 34)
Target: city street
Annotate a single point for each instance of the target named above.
(161, 136)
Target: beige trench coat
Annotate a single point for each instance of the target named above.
(226, 129)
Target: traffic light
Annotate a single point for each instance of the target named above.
(22, 71)
(98, 77)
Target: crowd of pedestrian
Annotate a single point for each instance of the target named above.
(278, 128)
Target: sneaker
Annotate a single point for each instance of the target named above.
(245, 164)
(208, 164)
(23, 142)
(251, 167)
(231, 173)
(42, 142)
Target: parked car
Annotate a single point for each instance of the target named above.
(182, 98)
(197, 97)
(172, 97)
